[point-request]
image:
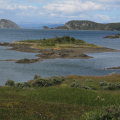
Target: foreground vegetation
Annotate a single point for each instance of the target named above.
(63, 98)
(57, 42)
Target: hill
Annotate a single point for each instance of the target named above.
(8, 24)
(89, 25)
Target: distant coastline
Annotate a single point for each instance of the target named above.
(87, 25)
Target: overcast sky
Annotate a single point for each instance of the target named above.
(53, 11)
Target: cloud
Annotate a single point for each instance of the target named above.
(73, 7)
(103, 17)
(60, 9)
(17, 6)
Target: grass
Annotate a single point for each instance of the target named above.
(58, 102)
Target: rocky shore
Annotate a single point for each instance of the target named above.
(49, 53)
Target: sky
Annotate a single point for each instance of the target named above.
(60, 11)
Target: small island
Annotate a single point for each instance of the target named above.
(113, 36)
(65, 47)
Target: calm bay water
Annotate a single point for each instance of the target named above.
(56, 67)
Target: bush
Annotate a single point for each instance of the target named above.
(103, 83)
(80, 86)
(111, 86)
(88, 80)
(118, 85)
(86, 87)
(106, 113)
(36, 76)
(72, 39)
(18, 85)
(25, 85)
(22, 85)
(40, 82)
(56, 80)
(9, 83)
(73, 84)
(93, 87)
(63, 78)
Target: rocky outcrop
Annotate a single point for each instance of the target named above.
(8, 24)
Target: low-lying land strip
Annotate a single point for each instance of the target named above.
(111, 36)
(114, 67)
(58, 47)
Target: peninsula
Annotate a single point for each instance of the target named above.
(8, 24)
(87, 25)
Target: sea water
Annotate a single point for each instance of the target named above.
(56, 67)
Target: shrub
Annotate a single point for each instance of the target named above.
(40, 82)
(67, 37)
(36, 76)
(113, 73)
(103, 83)
(72, 39)
(80, 86)
(86, 87)
(88, 80)
(25, 85)
(56, 80)
(106, 113)
(9, 83)
(105, 88)
(22, 85)
(93, 87)
(18, 85)
(63, 78)
(118, 85)
(73, 84)
(111, 86)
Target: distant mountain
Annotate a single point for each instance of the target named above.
(37, 25)
(8, 24)
(89, 25)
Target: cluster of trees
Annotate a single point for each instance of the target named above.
(55, 40)
(61, 40)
